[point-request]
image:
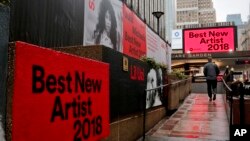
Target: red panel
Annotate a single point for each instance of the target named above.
(58, 97)
(209, 40)
(134, 34)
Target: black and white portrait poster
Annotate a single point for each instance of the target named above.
(103, 23)
(154, 79)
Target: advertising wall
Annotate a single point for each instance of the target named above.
(60, 23)
(103, 24)
(130, 35)
(134, 34)
(214, 39)
(57, 96)
(156, 47)
(127, 92)
(126, 85)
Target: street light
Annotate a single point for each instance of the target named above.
(158, 14)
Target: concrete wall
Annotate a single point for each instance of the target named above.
(131, 128)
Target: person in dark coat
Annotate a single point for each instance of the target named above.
(211, 71)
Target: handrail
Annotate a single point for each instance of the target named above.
(166, 85)
(157, 87)
(226, 85)
(231, 105)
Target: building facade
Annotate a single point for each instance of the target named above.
(244, 40)
(170, 18)
(194, 12)
(236, 18)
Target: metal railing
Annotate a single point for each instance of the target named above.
(228, 89)
(239, 88)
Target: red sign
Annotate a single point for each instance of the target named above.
(134, 34)
(219, 39)
(58, 97)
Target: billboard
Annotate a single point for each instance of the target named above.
(177, 39)
(212, 39)
(156, 47)
(58, 96)
(134, 34)
(89, 22)
(103, 23)
(127, 33)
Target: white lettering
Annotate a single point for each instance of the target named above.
(239, 132)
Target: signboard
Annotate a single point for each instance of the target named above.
(177, 39)
(103, 23)
(58, 97)
(134, 34)
(156, 47)
(235, 54)
(216, 39)
(128, 33)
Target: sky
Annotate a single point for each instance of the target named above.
(225, 7)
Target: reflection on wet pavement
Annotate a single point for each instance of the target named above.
(197, 119)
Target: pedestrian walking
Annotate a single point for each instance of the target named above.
(211, 71)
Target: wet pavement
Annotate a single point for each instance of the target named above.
(197, 119)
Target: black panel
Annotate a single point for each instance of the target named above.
(49, 23)
(4, 39)
(126, 95)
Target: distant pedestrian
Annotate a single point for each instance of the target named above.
(226, 74)
(211, 71)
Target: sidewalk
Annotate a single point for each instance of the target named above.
(197, 119)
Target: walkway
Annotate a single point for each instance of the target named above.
(196, 120)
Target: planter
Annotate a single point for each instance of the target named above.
(173, 96)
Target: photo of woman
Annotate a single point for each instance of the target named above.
(103, 24)
(105, 32)
(154, 79)
(151, 83)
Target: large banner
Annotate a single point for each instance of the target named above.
(212, 39)
(58, 97)
(113, 24)
(156, 47)
(134, 34)
(103, 23)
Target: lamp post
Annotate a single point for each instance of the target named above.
(158, 14)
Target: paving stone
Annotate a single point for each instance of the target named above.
(197, 119)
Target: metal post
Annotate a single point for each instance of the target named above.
(231, 113)
(242, 105)
(144, 114)
(158, 26)
(158, 14)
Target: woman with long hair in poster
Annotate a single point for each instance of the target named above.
(106, 28)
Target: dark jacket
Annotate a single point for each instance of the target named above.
(211, 71)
